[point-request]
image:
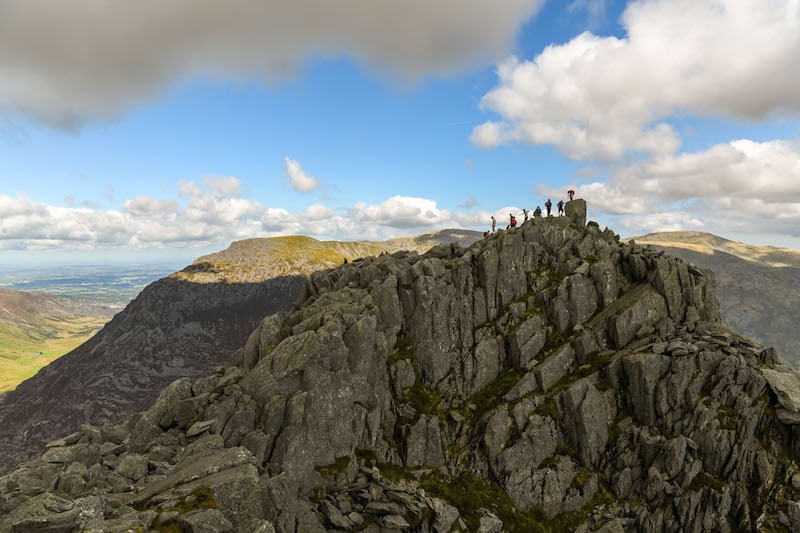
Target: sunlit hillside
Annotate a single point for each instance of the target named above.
(253, 260)
(37, 328)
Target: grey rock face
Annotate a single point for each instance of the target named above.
(547, 373)
(576, 211)
(526, 341)
(639, 310)
(424, 443)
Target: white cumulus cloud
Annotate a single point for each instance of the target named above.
(211, 214)
(298, 178)
(738, 187)
(401, 212)
(600, 97)
(224, 186)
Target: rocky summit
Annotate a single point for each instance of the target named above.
(546, 378)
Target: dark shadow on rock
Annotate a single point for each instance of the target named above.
(204, 267)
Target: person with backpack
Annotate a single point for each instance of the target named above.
(512, 221)
(548, 205)
(560, 207)
(537, 212)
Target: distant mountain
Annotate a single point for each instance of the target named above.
(257, 259)
(36, 328)
(759, 286)
(183, 325)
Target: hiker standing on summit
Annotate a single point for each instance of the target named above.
(571, 193)
(548, 205)
(494, 223)
(560, 207)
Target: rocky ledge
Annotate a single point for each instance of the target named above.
(546, 378)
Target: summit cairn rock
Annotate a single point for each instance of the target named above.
(546, 375)
(575, 210)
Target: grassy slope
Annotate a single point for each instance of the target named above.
(25, 348)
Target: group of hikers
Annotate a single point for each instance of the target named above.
(512, 223)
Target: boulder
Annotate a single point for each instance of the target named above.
(785, 383)
(575, 210)
(133, 466)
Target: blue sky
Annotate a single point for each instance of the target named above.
(135, 132)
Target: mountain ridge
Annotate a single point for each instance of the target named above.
(546, 377)
(706, 242)
(262, 258)
(759, 287)
(182, 325)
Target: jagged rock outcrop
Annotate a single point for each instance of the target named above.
(181, 326)
(547, 376)
(759, 287)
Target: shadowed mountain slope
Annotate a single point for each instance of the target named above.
(548, 378)
(173, 328)
(759, 287)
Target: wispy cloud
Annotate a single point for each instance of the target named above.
(595, 11)
(298, 178)
(468, 203)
